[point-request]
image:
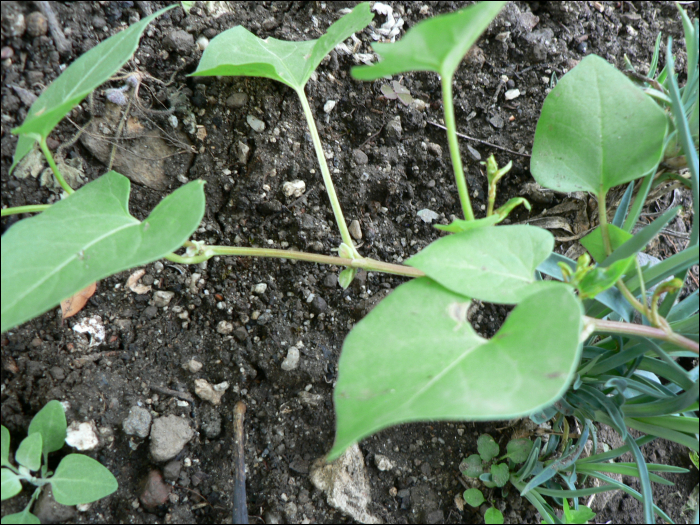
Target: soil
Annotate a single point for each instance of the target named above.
(388, 161)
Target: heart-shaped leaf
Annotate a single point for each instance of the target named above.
(415, 357)
(491, 264)
(437, 44)
(596, 130)
(80, 479)
(473, 466)
(29, 452)
(81, 78)
(473, 497)
(86, 237)
(50, 422)
(487, 447)
(238, 52)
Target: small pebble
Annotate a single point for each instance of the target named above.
(383, 463)
(161, 298)
(208, 392)
(292, 360)
(259, 288)
(355, 230)
(224, 327)
(328, 106)
(427, 215)
(512, 94)
(237, 100)
(82, 436)
(194, 366)
(295, 188)
(37, 24)
(255, 123)
(138, 422)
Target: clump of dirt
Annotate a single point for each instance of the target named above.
(232, 321)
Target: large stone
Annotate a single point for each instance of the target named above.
(346, 484)
(169, 435)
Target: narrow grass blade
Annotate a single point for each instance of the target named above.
(642, 237)
(622, 209)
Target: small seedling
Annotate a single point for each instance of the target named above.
(492, 471)
(78, 479)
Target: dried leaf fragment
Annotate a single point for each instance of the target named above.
(72, 305)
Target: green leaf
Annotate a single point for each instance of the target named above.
(593, 242)
(81, 78)
(600, 279)
(597, 130)
(493, 516)
(346, 276)
(238, 52)
(582, 515)
(81, 479)
(50, 422)
(518, 450)
(11, 485)
(500, 474)
(433, 366)
(86, 237)
(21, 517)
(491, 264)
(5, 455)
(437, 44)
(29, 452)
(460, 225)
(473, 497)
(640, 240)
(472, 467)
(487, 447)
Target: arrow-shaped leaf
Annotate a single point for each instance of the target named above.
(81, 78)
(437, 44)
(495, 264)
(86, 237)
(416, 357)
(238, 52)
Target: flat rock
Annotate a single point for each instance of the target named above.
(169, 435)
(146, 156)
(346, 484)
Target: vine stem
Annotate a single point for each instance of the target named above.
(614, 327)
(450, 126)
(32, 208)
(592, 324)
(47, 153)
(327, 180)
(363, 262)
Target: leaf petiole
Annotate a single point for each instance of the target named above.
(47, 153)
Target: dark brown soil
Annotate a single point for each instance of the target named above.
(384, 172)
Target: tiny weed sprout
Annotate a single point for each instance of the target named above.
(78, 479)
(588, 342)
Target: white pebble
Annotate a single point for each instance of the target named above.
(295, 188)
(255, 123)
(328, 106)
(259, 288)
(292, 360)
(427, 215)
